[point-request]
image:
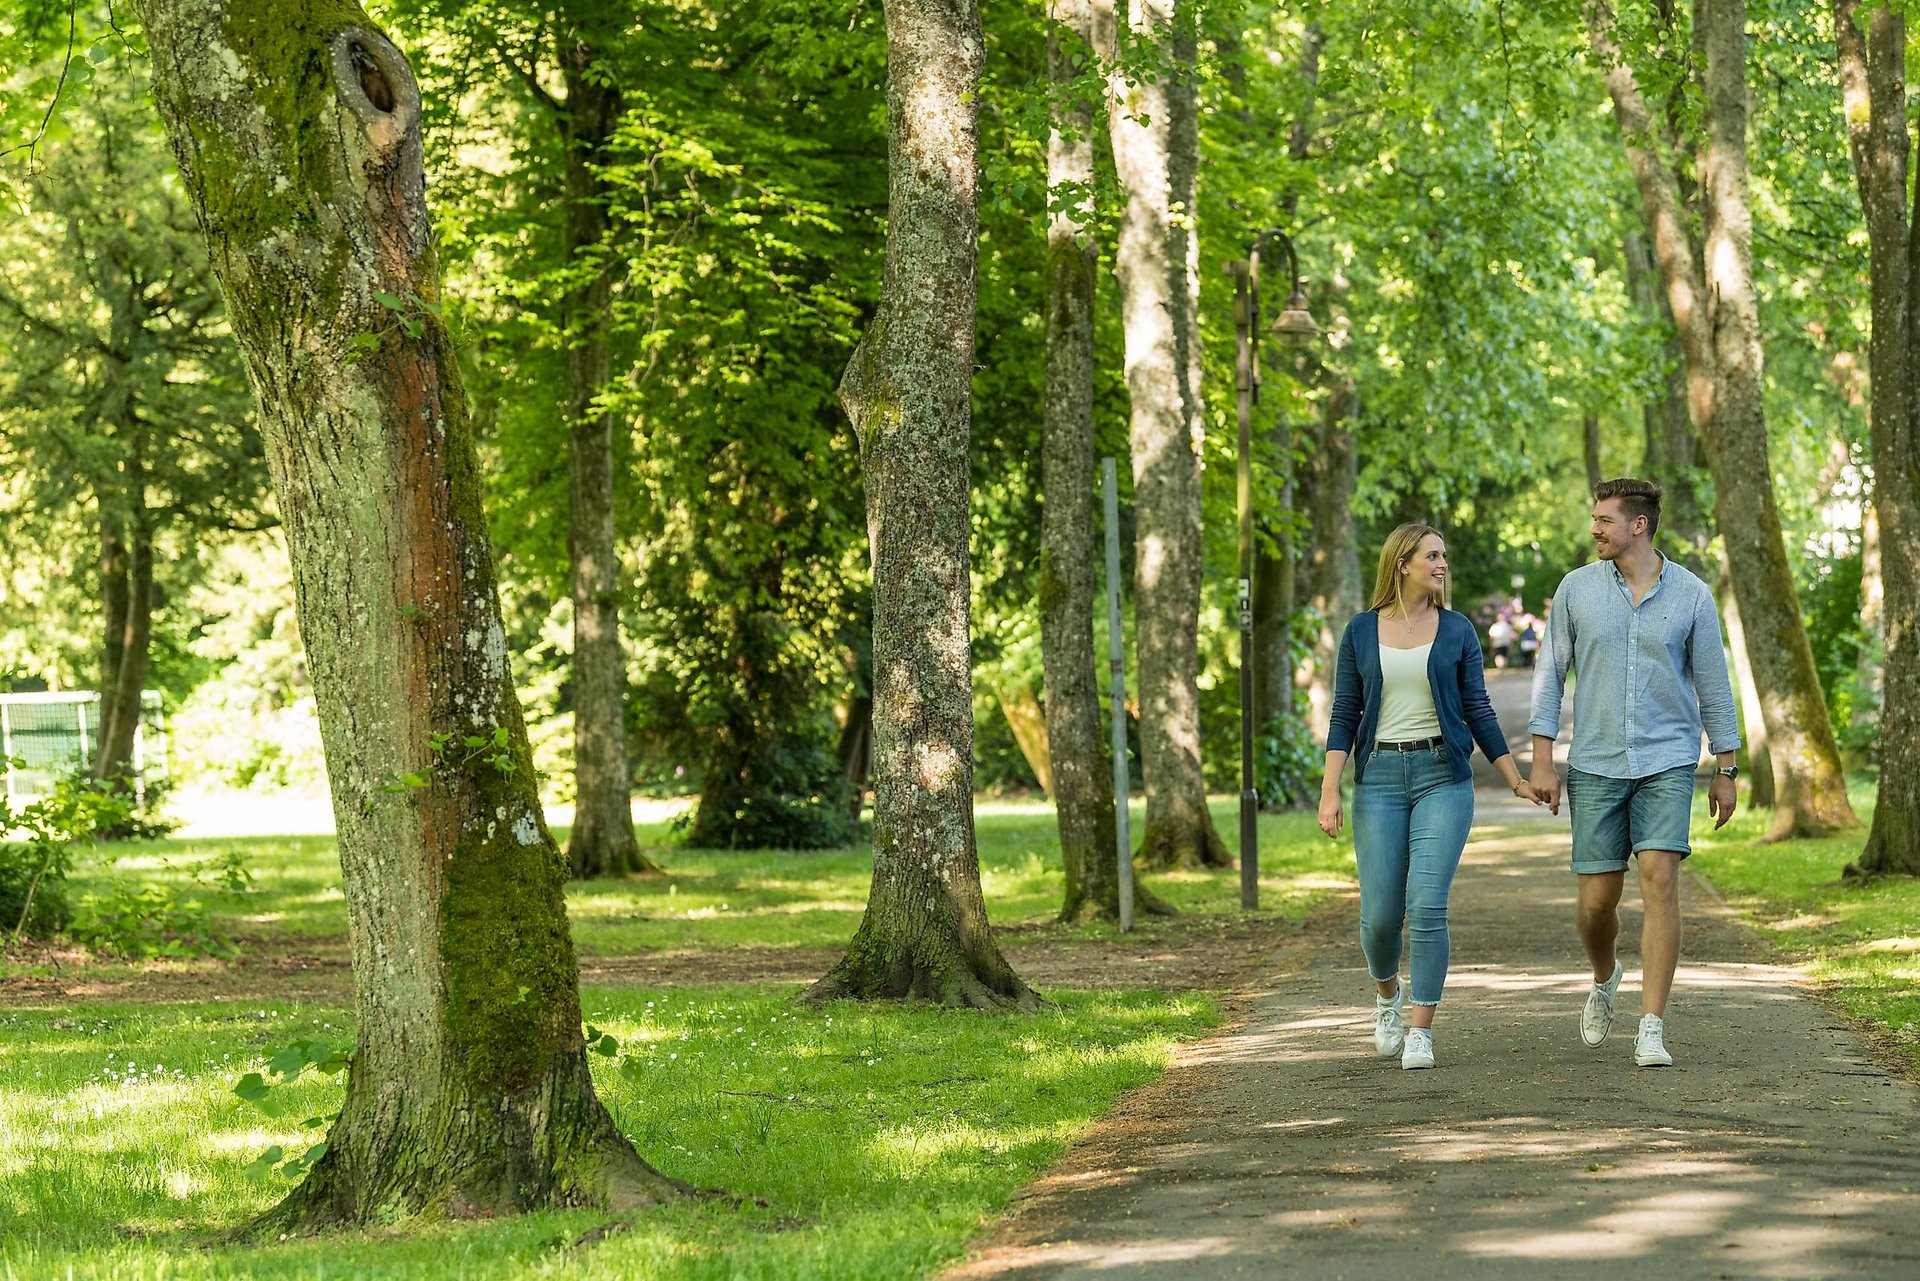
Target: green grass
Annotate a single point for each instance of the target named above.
(879, 1139)
(1860, 940)
(708, 898)
(860, 1141)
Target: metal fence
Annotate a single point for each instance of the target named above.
(45, 737)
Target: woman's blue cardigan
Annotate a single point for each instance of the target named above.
(1456, 670)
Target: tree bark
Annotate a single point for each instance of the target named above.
(113, 612)
(1760, 788)
(1672, 446)
(1873, 84)
(1334, 575)
(120, 702)
(1275, 586)
(1711, 294)
(908, 392)
(1151, 126)
(1870, 673)
(1082, 781)
(1590, 447)
(602, 842)
(297, 130)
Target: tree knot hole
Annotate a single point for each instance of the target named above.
(373, 81)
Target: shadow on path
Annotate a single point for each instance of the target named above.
(1283, 1147)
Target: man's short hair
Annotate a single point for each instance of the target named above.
(1637, 498)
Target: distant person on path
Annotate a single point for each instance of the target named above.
(1409, 702)
(1501, 636)
(1529, 640)
(1642, 636)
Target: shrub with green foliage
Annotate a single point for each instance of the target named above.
(34, 865)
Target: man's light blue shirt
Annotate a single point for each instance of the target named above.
(1650, 675)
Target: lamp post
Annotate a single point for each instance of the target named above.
(1293, 327)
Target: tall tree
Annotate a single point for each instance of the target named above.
(1710, 289)
(1152, 110)
(602, 841)
(297, 131)
(1082, 783)
(122, 391)
(1873, 80)
(1672, 447)
(908, 392)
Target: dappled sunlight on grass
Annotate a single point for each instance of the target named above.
(715, 898)
(878, 1136)
(1849, 935)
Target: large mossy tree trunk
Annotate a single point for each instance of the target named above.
(1710, 290)
(908, 392)
(297, 130)
(602, 842)
(1155, 261)
(1082, 780)
(1873, 82)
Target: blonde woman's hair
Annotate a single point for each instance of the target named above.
(1389, 586)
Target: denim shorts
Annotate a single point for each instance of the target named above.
(1616, 818)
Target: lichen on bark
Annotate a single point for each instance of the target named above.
(907, 391)
(297, 130)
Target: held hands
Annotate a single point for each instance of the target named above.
(1722, 797)
(1528, 792)
(1545, 786)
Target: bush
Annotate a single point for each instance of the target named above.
(145, 921)
(33, 870)
(26, 870)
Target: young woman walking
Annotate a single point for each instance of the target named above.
(1409, 702)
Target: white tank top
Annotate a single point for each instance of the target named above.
(1406, 696)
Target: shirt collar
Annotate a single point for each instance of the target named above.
(1666, 567)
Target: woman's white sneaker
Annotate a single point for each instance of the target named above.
(1650, 1045)
(1389, 1029)
(1419, 1051)
(1597, 1019)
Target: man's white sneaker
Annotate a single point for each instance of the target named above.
(1389, 1029)
(1597, 1019)
(1650, 1045)
(1419, 1051)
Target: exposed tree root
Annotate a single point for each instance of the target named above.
(1166, 846)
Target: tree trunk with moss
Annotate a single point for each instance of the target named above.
(1710, 290)
(1873, 82)
(297, 129)
(908, 391)
(1154, 259)
(602, 842)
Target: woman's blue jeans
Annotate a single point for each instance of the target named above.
(1410, 823)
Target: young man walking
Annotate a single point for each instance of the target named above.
(1642, 636)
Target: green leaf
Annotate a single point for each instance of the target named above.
(290, 1061)
(262, 1166)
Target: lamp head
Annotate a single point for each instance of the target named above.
(1294, 326)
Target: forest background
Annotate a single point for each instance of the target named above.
(1467, 224)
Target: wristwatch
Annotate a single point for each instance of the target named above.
(1728, 771)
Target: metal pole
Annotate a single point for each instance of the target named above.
(1117, 655)
(1246, 317)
